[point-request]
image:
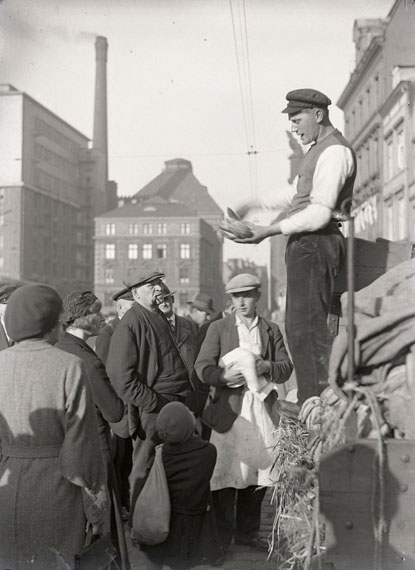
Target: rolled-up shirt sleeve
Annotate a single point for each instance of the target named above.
(334, 166)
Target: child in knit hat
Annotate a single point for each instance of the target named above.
(188, 462)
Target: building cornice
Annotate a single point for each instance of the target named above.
(401, 88)
(374, 48)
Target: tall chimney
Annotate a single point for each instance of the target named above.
(100, 141)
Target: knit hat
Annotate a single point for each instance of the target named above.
(175, 423)
(32, 311)
(79, 304)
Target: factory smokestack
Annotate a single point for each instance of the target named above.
(100, 140)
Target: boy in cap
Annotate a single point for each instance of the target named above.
(316, 247)
(242, 417)
(147, 369)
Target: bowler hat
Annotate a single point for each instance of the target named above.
(202, 302)
(243, 282)
(143, 279)
(300, 99)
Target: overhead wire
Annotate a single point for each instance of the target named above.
(242, 56)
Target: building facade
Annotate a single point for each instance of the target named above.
(169, 226)
(379, 123)
(53, 182)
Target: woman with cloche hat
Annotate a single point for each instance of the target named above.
(52, 477)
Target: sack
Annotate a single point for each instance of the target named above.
(96, 554)
(151, 517)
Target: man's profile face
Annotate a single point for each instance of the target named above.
(166, 306)
(306, 125)
(149, 294)
(123, 305)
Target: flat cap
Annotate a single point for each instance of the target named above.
(143, 279)
(6, 289)
(300, 99)
(243, 282)
(123, 294)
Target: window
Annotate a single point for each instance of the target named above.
(162, 228)
(147, 251)
(110, 251)
(1, 262)
(109, 276)
(161, 251)
(185, 228)
(389, 220)
(147, 229)
(401, 217)
(133, 229)
(401, 150)
(132, 251)
(110, 229)
(184, 275)
(389, 158)
(184, 251)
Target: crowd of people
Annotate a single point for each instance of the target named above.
(80, 419)
(84, 404)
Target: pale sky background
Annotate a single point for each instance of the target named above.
(173, 87)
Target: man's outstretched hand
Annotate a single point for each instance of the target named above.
(259, 233)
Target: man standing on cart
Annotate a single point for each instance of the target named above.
(316, 248)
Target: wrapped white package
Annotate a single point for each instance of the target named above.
(243, 360)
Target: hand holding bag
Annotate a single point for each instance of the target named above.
(151, 517)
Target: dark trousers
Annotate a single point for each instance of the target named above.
(313, 261)
(237, 512)
(122, 453)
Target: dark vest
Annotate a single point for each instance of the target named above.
(306, 172)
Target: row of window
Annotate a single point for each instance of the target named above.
(147, 251)
(184, 276)
(363, 108)
(62, 164)
(146, 229)
(43, 128)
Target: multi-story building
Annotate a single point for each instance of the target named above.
(169, 226)
(52, 184)
(379, 123)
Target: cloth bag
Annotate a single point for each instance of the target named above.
(151, 517)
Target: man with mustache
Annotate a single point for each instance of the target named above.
(147, 370)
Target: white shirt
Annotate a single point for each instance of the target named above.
(333, 167)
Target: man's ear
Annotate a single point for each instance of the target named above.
(319, 115)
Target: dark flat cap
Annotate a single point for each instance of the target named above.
(123, 294)
(300, 99)
(243, 282)
(6, 289)
(144, 279)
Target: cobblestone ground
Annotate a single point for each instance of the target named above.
(238, 558)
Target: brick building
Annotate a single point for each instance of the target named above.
(378, 103)
(168, 226)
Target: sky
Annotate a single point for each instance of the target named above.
(203, 80)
